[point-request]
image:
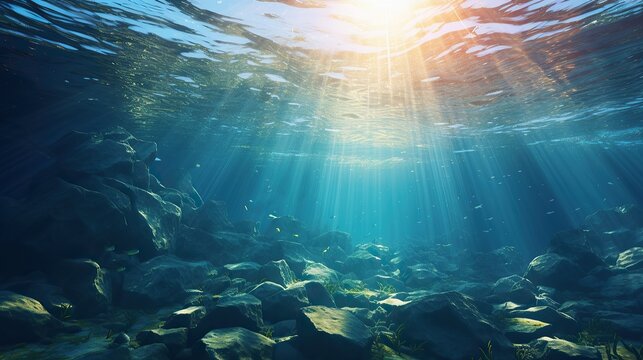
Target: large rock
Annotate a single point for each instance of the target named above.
(561, 323)
(333, 333)
(279, 303)
(421, 275)
(554, 270)
(234, 343)
(278, 272)
(24, 319)
(513, 288)
(86, 285)
(626, 285)
(162, 280)
(175, 339)
(242, 310)
(294, 253)
(218, 248)
(211, 217)
(320, 272)
(153, 222)
(547, 348)
(450, 326)
(627, 216)
(362, 262)
(187, 318)
(333, 238)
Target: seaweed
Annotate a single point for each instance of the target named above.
(487, 353)
(597, 332)
(611, 349)
(385, 288)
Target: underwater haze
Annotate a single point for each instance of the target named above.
(321, 179)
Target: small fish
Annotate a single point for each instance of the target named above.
(132, 252)
(158, 159)
(278, 229)
(198, 165)
(272, 216)
(245, 207)
(121, 269)
(550, 212)
(478, 207)
(110, 248)
(295, 235)
(326, 250)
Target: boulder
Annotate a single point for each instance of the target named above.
(626, 285)
(218, 248)
(627, 216)
(234, 343)
(547, 348)
(333, 333)
(279, 303)
(248, 270)
(450, 326)
(554, 270)
(513, 288)
(362, 262)
(185, 318)
(320, 272)
(421, 275)
(278, 272)
(242, 310)
(523, 330)
(149, 352)
(175, 339)
(23, 319)
(294, 253)
(331, 239)
(162, 280)
(211, 217)
(86, 284)
(316, 293)
(561, 323)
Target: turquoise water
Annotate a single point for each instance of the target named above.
(479, 123)
(321, 179)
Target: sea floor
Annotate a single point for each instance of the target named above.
(102, 261)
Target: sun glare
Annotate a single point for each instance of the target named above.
(383, 12)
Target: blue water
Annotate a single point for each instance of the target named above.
(478, 123)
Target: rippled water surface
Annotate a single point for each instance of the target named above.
(355, 70)
(410, 87)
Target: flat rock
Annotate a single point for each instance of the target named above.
(242, 310)
(234, 343)
(553, 270)
(450, 326)
(558, 349)
(279, 303)
(162, 281)
(333, 333)
(187, 318)
(174, 339)
(23, 319)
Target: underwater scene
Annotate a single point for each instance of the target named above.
(321, 179)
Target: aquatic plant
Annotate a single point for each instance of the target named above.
(396, 338)
(487, 353)
(597, 332)
(385, 288)
(267, 332)
(65, 311)
(611, 349)
(525, 352)
(332, 287)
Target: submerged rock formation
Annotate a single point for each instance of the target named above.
(101, 247)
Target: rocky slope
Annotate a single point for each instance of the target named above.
(101, 261)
